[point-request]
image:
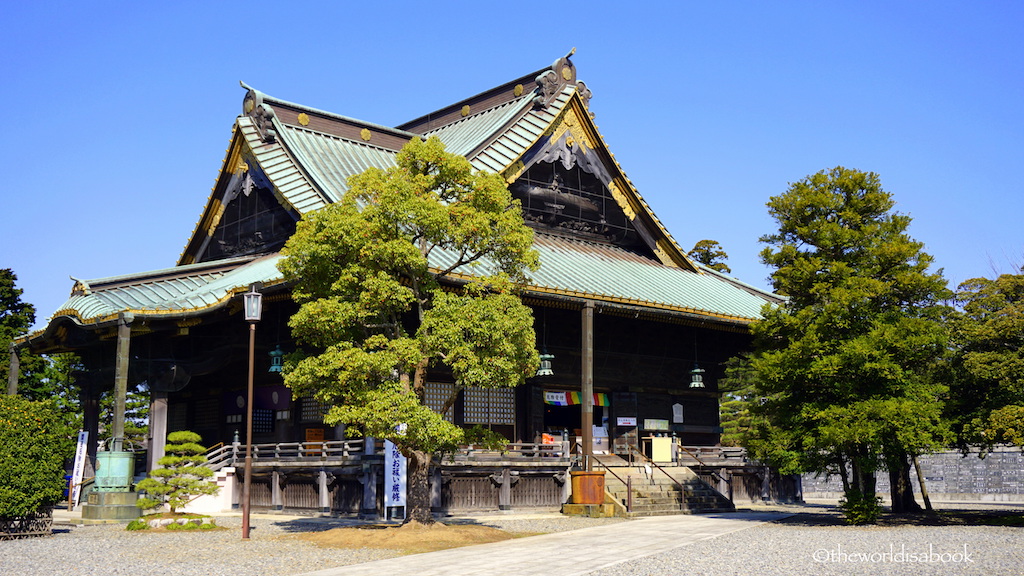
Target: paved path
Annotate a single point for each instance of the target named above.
(570, 553)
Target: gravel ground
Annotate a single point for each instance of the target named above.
(110, 549)
(808, 543)
(811, 543)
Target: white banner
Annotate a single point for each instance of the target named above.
(394, 475)
(78, 468)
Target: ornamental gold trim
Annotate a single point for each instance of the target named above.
(304, 119)
(513, 172)
(365, 134)
(465, 110)
(571, 122)
(518, 90)
(621, 200)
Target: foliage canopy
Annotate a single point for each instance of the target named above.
(711, 254)
(987, 402)
(417, 265)
(845, 365)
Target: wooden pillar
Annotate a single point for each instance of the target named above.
(725, 482)
(276, 495)
(323, 494)
(368, 508)
(124, 334)
(157, 427)
(15, 371)
(766, 484)
(90, 402)
(587, 386)
(505, 490)
(436, 487)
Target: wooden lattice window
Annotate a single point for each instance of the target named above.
(489, 406)
(312, 410)
(436, 394)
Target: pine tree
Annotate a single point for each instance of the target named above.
(845, 366)
(182, 476)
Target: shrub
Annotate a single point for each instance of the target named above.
(137, 524)
(860, 508)
(34, 443)
(183, 476)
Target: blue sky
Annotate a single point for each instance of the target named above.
(117, 114)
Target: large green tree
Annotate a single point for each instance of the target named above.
(987, 399)
(845, 365)
(16, 319)
(416, 265)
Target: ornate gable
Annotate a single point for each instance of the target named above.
(569, 184)
(245, 214)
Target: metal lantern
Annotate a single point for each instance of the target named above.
(545, 365)
(253, 301)
(276, 359)
(696, 377)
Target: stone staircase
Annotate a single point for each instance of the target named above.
(656, 494)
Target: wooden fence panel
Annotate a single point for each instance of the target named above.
(259, 494)
(300, 494)
(470, 493)
(536, 492)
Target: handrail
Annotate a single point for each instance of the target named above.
(682, 490)
(220, 456)
(529, 451)
(699, 461)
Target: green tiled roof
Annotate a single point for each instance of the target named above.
(582, 269)
(331, 160)
(309, 164)
(169, 292)
(290, 181)
(569, 267)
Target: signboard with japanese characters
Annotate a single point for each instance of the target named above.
(78, 468)
(394, 475)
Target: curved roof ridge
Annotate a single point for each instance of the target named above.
(272, 100)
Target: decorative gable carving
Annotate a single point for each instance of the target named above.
(261, 113)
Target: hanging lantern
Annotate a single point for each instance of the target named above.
(276, 359)
(545, 365)
(696, 377)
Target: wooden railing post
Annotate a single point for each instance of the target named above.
(629, 493)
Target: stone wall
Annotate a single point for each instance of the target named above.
(949, 476)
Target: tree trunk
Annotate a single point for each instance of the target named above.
(901, 489)
(418, 496)
(920, 480)
(844, 475)
(863, 476)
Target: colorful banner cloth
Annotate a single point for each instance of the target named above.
(573, 399)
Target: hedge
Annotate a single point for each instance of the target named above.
(34, 444)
